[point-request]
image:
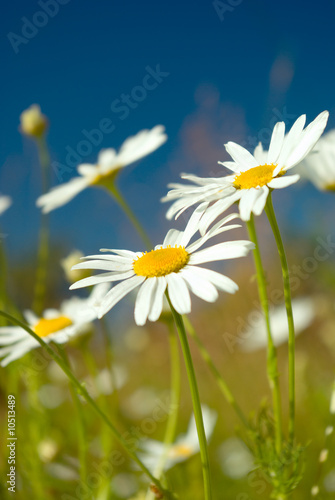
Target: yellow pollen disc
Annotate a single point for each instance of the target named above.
(255, 177)
(47, 326)
(161, 262)
(180, 450)
(330, 187)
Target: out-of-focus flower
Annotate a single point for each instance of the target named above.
(235, 458)
(47, 449)
(254, 175)
(67, 264)
(319, 165)
(33, 122)
(73, 318)
(5, 202)
(103, 173)
(185, 446)
(172, 265)
(255, 336)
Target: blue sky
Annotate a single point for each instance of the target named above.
(221, 79)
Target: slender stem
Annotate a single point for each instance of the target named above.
(170, 431)
(195, 400)
(288, 304)
(130, 214)
(82, 446)
(90, 401)
(43, 247)
(223, 386)
(272, 362)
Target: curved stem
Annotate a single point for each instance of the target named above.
(82, 446)
(288, 304)
(81, 389)
(130, 214)
(195, 400)
(272, 362)
(215, 372)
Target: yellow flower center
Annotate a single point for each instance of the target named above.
(161, 262)
(107, 179)
(330, 187)
(180, 450)
(255, 177)
(45, 327)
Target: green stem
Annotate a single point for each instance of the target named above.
(170, 431)
(215, 372)
(195, 400)
(288, 304)
(81, 389)
(43, 247)
(272, 362)
(82, 446)
(130, 214)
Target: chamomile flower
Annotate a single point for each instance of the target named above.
(173, 265)
(32, 122)
(72, 319)
(5, 202)
(253, 175)
(185, 446)
(319, 165)
(104, 172)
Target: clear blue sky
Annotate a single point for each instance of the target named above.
(230, 72)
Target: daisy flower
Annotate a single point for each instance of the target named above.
(255, 336)
(253, 175)
(104, 172)
(72, 319)
(319, 165)
(173, 265)
(5, 202)
(185, 446)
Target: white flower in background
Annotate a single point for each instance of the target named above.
(69, 262)
(185, 446)
(172, 265)
(104, 172)
(5, 202)
(235, 458)
(254, 175)
(33, 122)
(319, 165)
(255, 336)
(72, 319)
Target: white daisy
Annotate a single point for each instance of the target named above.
(255, 336)
(185, 446)
(172, 265)
(5, 202)
(103, 173)
(73, 318)
(319, 165)
(254, 175)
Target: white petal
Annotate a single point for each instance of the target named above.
(61, 195)
(87, 170)
(261, 200)
(241, 155)
(118, 292)
(173, 237)
(157, 303)
(101, 278)
(291, 139)
(221, 281)
(199, 286)
(222, 251)
(282, 182)
(144, 301)
(247, 203)
(142, 144)
(178, 293)
(276, 143)
(104, 265)
(193, 224)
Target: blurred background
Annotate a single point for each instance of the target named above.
(220, 70)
